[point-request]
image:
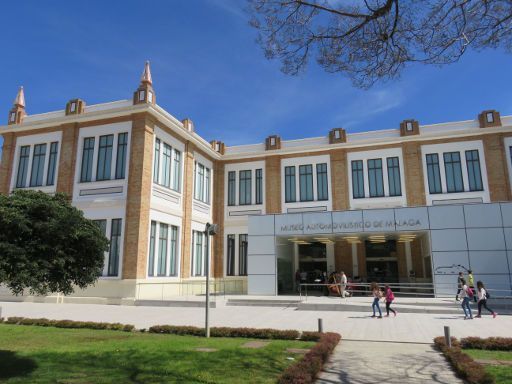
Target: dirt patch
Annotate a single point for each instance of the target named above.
(494, 362)
(255, 344)
(206, 350)
(301, 351)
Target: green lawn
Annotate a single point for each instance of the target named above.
(503, 374)
(32, 354)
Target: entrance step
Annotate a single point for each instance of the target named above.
(354, 307)
(262, 303)
(175, 303)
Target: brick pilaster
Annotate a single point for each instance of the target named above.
(413, 173)
(343, 257)
(7, 162)
(273, 184)
(186, 235)
(138, 198)
(339, 180)
(67, 158)
(218, 218)
(497, 173)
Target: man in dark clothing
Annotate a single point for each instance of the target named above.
(459, 285)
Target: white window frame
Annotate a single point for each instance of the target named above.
(508, 145)
(170, 220)
(236, 231)
(109, 214)
(237, 167)
(199, 227)
(297, 162)
(386, 200)
(97, 131)
(31, 141)
(461, 147)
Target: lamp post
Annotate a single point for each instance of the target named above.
(210, 230)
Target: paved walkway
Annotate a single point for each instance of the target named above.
(409, 327)
(360, 362)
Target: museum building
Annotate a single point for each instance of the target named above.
(412, 204)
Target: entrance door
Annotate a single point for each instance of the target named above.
(312, 261)
(381, 262)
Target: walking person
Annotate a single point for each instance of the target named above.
(390, 296)
(465, 295)
(343, 283)
(482, 299)
(459, 285)
(377, 294)
(471, 283)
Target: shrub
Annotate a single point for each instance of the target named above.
(306, 370)
(310, 336)
(491, 343)
(70, 324)
(253, 333)
(463, 364)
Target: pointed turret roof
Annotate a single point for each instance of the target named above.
(146, 75)
(20, 98)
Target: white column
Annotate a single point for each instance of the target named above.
(355, 263)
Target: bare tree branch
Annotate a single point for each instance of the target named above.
(373, 40)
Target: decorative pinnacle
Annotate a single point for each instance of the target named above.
(146, 75)
(19, 101)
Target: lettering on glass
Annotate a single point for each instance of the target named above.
(354, 225)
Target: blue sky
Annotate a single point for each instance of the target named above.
(206, 66)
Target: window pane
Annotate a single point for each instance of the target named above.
(198, 254)
(434, 175)
(357, 179)
(375, 180)
(245, 186)
(151, 258)
(306, 182)
(176, 181)
(102, 225)
(395, 186)
(156, 165)
(21, 178)
(174, 251)
(115, 247)
(122, 147)
(87, 158)
(321, 181)
(259, 186)
(453, 171)
(289, 184)
(52, 163)
(474, 173)
(166, 166)
(242, 255)
(207, 185)
(105, 157)
(230, 266)
(36, 176)
(162, 250)
(231, 188)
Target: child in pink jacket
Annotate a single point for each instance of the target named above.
(389, 299)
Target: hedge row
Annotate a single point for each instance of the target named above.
(490, 343)
(253, 333)
(69, 324)
(305, 371)
(467, 368)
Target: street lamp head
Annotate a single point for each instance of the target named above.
(212, 229)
